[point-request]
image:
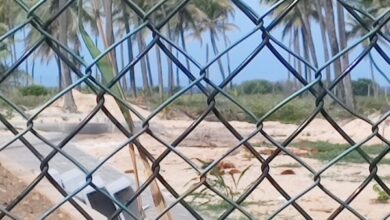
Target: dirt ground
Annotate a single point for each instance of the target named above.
(210, 140)
(31, 207)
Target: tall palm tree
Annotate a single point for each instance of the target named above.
(144, 5)
(321, 21)
(124, 21)
(4, 51)
(343, 91)
(65, 23)
(347, 81)
(375, 8)
(299, 19)
(8, 10)
(186, 21)
(216, 12)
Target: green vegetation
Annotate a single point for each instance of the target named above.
(325, 151)
(258, 87)
(258, 97)
(34, 90)
(289, 165)
(25, 102)
(205, 201)
(363, 87)
(259, 104)
(382, 196)
(369, 105)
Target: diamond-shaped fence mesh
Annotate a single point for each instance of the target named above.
(86, 188)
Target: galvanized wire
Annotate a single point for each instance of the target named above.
(316, 88)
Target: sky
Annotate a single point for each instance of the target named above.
(263, 66)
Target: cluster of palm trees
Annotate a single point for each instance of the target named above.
(335, 33)
(109, 20)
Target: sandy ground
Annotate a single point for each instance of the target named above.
(31, 207)
(341, 179)
(210, 140)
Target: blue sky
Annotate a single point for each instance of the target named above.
(264, 66)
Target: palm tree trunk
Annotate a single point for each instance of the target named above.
(143, 65)
(207, 61)
(96, 66)
(109, 32)
(160, 74)
(33, 72)
(177, 71)
(290, 45)
(216, 52)
(225, 39)
(305, 55)
(26, 46)
(373, 80)
(69, 103)
(334, 45)
(297, 50)
(124, 80)
(101, 31)
(184, 45)
(13, 42)
(126, 18)
(59, 73)
(171, 81)
(347, 81)
(309, 36)
(150, 77)
(318, 6)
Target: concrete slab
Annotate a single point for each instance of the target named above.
(20, 155)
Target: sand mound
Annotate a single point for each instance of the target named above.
(85, 103)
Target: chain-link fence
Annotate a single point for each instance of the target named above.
(373, 27)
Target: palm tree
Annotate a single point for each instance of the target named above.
(185, 21)
(299, 18)
(65, 23)
(375, 8)
(123, 19)
(343, 91)
(319, 8)
(8, 10)
(4, 51)
(214, 22)
(298, 22)
(347, 81)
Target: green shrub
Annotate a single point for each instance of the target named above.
(34, 90)
(258, 87)
(382, 196)
(363, 87)
(369, 104)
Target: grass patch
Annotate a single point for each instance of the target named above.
(25, 101)
(325, 151)
(30, 102)
(288, 165)
(259, 104)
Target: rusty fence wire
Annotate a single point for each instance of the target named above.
(199, 80)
